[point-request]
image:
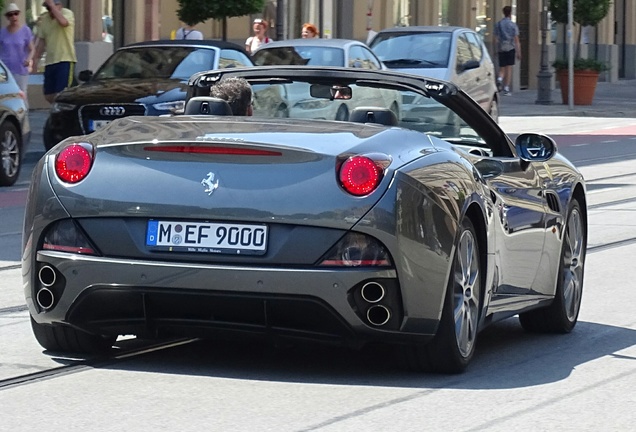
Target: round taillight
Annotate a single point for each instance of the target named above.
(360, 175)
(73, 163)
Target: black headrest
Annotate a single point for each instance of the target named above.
(377, 115)
(206, 105)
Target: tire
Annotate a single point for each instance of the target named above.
(453, 347)
(10, 154)
(343, 113)
(563, 312)
(66, 339)
(47, 135)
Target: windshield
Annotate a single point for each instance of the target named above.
(299, 56)
(417, 50)
(169, 62)
(363, 103)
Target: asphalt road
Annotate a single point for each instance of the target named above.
(583, 381)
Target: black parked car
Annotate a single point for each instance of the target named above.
(14, 127)
(145, 78)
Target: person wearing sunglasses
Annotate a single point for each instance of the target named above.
(16, 46)
(56, 36)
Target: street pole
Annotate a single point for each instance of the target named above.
(280, 20)
(544, 77)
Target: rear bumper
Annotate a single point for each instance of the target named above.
(147, 298)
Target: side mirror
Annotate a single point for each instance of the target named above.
(85, 75)
(532, 147)
(470, 64)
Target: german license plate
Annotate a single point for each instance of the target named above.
(207, 237)
(93, 125)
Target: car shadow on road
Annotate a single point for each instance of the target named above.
(507, 357)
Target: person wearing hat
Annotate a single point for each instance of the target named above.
(55, 35)
(16, 46)
(260, 36)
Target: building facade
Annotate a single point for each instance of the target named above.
(102, 26)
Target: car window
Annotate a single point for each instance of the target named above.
(156, 62)
(301, 55)
(232, 58)
(409, 49)
(412, 110)
(464, 52)
(366, 58)
(371, 59)
(356, 58)
(475, 46)
(4, 77)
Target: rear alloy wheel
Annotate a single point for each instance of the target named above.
(10, 154)
(452, 348)
(562, 314)
(66, 339)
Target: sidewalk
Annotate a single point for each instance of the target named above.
(610, 100)
(616, 100)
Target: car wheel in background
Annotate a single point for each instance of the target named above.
(562, 314)
(69, 340)
(452, 348)
(10, 154)
(343, 113)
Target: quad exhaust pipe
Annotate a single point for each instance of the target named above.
(45, 297)
(378, 315)
(372, 292)
(47, 276)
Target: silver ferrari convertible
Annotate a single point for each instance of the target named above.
(415, 229)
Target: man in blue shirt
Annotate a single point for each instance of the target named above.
(508, 49)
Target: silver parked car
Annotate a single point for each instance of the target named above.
(454, 54)
(14, 127)
(348, 232)
(324, 52)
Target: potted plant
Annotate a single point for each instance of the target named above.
(586, 71)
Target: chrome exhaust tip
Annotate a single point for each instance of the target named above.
(372, 292)
(378, 315)
(47, 276)
(45, 298)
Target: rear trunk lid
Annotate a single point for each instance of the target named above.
(234, 169)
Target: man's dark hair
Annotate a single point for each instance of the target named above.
(236, 91)
(507, 11)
